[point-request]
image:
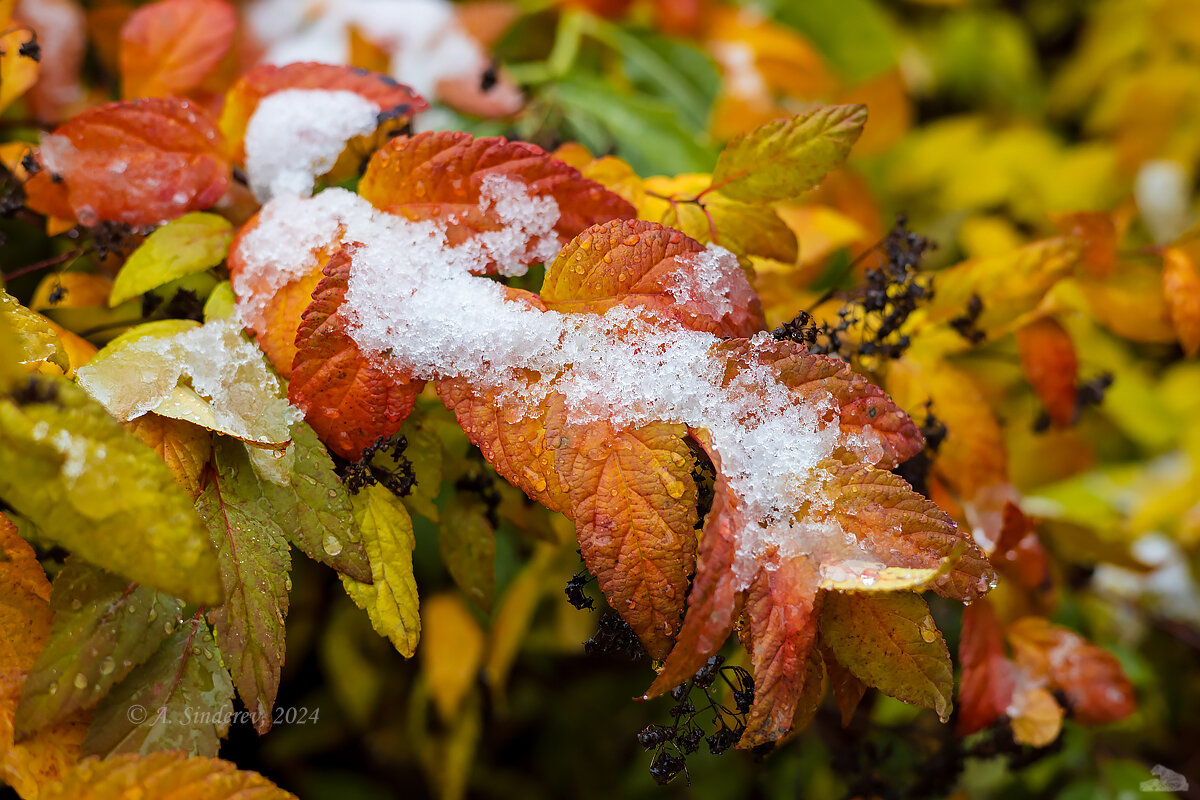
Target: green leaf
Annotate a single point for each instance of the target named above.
(181, 699)
(391, 603)
(855, 35)
(313, 507)
(889, 641)
(425, 453)
(37, 340)
(93, 488)
(468, 546)
(782, 159)
(103, 627)
(186, 245)
(254, 576)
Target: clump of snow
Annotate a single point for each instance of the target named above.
(296, 135)
(210, 375)
(414, 305)
(422, 38)
(712, 283)
(527, 235)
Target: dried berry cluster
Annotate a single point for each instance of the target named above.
(480, 479)
(869, 323)
(1088, 393)
(614, 636)
(397, 477)
(673, 743)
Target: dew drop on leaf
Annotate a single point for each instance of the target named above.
(332, 544)
(107, 666)
(80, 680)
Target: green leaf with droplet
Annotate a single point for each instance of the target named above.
(184, 246)
(37, 340)
(890, 642)
(782, 159)
(104, 626)
(180, 699)
(313, 507)
(391, 602)
(90, 486)
(468, 546)
(254, 559)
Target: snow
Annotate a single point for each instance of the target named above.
(297, 134)
(239, 394)
(713, 283)
(1162, 189)
(414, 305)
(421, 37)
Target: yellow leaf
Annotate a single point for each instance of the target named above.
(38, 341)
(452, 652)
(513, 615)
(391, 601)
(192, 243)
(18, 72)
(160, 775)
(1037, 718)
(24, 626)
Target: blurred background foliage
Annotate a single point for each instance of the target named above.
(989, 121)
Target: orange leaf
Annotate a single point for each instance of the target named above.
(395, 100)
(140, 162)
(1098, 231)
(1181, 287)
(24, 627)
(168, 774)
(349, 401)
(847, 689)
(783, 604)
(1019, 551)
(1048, 358)
(644, 265)
(1091, 678)
(988, 677)
(442, 175)
(634, 504)
(171, 46)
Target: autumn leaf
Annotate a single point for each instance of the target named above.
(181, 698)
(784, 158)
(1181, 287)
(645, 265)
(141, 162)
(254, 577)
(1095, 686)
(18, 70)
(25, 618)
(846, 688)
(988, 680)
(173, 774)
(146, 532)
(391, 602)
(169, 47)
(313, 508)
(349, 401)
(890, 642)
(396, 101)
(468, 547)
(451, 652)
(186, 245)
(104, 626)
(36, 338)
(450, 176)
(183, 446)
(1048, 358)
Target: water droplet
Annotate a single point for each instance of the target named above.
(76, 604)
(332, 544)
(53, 689)
(929, 631)
(287, 583)
(168, 627)
(107, 666)
(80, 680)
(153, 613)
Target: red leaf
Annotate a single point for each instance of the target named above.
(441, 176)
(1093, 681)
(1019, 551)
(644, 265)
(395, 100)
(988, 677)
(140, 162)
(349, 401)
(171, 46)
(1048, 358)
